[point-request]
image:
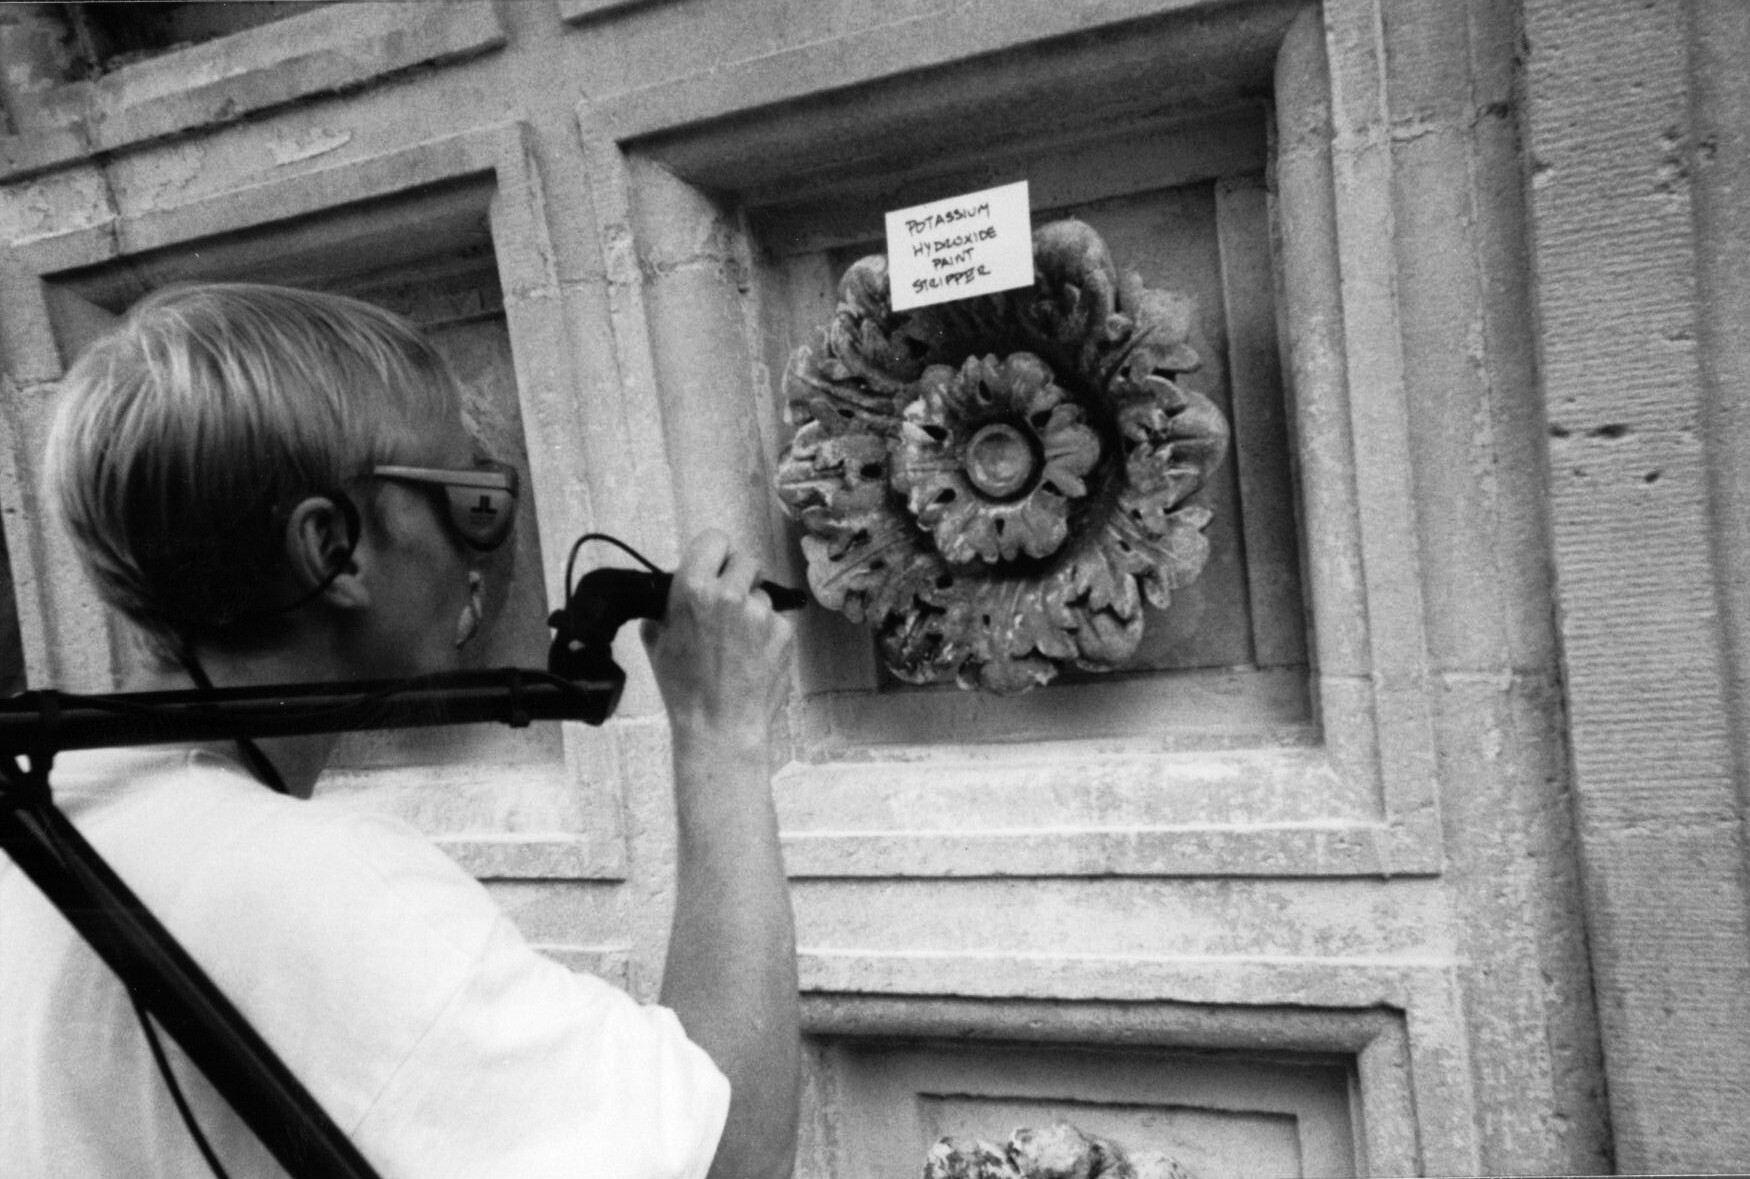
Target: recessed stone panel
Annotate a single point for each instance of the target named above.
(430, 252)
(1182, 236)
(1217, 1114)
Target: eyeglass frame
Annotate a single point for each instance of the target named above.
(486, 474)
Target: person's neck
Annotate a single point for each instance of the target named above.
(298, 760)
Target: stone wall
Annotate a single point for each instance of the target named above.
(1639, 171)
(1325, 881)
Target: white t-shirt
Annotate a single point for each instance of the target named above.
(384, 977)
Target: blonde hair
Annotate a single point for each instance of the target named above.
(183, 436)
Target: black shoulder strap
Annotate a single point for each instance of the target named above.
(264, 770)
(168, 982)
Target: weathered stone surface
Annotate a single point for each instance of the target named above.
(1635, 149)
(1057, 1151)
(1374, 861)
(996, 485)
(197, 86)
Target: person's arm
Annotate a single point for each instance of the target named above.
(720, 658)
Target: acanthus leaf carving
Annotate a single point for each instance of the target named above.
(1055, 1151)
(996, 485)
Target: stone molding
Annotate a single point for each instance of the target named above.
(1401, 1023)
(654, 185)
(486, 173)
(578, 11)
(313, 53)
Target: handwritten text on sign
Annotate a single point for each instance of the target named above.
(960, 247)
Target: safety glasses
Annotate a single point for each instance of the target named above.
(481, 502)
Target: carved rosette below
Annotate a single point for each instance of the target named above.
(1059, 1151)
(997, 485)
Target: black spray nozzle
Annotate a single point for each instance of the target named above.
(603, 601)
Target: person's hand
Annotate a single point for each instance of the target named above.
(720, 653)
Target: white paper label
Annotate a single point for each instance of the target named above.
(960, 247)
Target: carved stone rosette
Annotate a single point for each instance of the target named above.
(997, 485)
(1057, 1151)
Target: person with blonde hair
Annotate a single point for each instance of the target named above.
(276, 486)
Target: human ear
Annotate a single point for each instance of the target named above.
(322, 538)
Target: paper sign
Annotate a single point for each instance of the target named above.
(960, 247)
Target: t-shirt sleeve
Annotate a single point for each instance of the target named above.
(535, 1071)
(436, 1036)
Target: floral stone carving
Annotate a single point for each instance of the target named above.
(1059, 1151)
(997, 485)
